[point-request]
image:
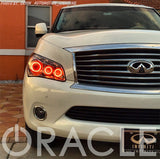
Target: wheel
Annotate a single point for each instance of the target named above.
(34, 134)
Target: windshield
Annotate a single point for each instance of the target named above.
(107, 17)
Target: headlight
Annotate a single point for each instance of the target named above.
(39, 66)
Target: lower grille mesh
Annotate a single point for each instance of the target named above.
(115, 115)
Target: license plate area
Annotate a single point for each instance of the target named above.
(134, 140)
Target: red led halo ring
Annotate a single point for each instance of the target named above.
(48, 70)
(58, 72)
(36, 66)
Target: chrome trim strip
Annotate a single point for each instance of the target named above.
(114, 90)
(74, 67)
(112, 46)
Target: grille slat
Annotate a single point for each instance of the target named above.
(119, 77)
(119, 83)
(101, 71)
(115, 115)
(79, 66)
(117, 71)
(120, 54)
(101, 65)
(110, 68)
(108, 60)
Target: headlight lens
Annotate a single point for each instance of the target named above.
(39, 66)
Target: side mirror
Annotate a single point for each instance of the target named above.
(40, 29)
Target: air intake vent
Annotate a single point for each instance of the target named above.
(115, 115)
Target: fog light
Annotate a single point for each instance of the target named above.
(40, 113)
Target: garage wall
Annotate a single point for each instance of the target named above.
(13, 51)
(12, 41)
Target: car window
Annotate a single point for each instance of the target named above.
(83, 18)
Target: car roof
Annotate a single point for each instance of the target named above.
(107, 4)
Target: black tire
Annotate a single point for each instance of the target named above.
(34, 134)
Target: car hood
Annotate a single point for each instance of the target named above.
(97, 37)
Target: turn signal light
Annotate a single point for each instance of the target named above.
(39, 66)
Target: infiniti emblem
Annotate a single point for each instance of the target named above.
(147, 138)
(140, 66)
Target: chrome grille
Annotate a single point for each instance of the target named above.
(109, 67)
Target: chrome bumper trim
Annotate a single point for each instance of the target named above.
(112, 46)
(115, 90)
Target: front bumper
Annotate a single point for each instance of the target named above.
(58, 97)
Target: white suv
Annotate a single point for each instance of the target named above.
(98, 67)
